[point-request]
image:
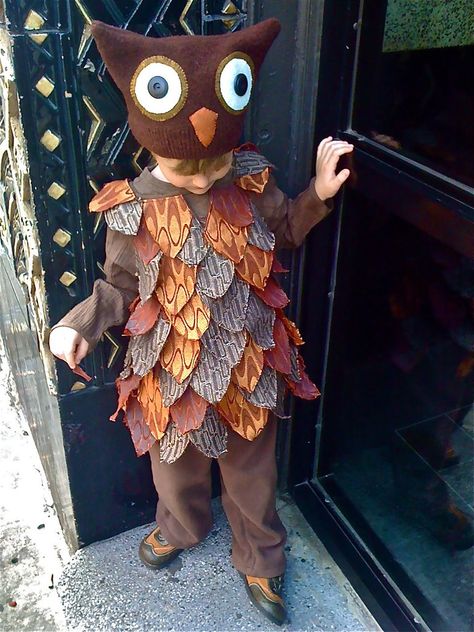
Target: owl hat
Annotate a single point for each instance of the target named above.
(210, 346)
(186, 95)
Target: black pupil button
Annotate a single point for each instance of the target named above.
(241, 84)
(158, 87)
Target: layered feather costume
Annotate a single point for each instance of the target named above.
(210, 346)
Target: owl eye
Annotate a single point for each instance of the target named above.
(159, 87)
(234, 80)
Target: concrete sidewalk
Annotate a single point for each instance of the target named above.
(33, 551)
(105, 587)
(106, 584)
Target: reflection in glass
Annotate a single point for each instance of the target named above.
(414, 89)
(398, 406)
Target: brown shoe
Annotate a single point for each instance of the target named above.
(155, 552)
(265, 594)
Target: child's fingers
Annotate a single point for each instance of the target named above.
(57, 352)
(343, 175)
(323, 144)
(81, 351)
(335, 143)
(332, 147)
(343, 149)
(69, 357)
(59, 356)
(333, 158)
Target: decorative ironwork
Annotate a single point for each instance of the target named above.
(50, 140)
(229, 16)
(78, 138)
(62, 237)
(18, 226)
(56, 190)
(44, 86)
(67, 278)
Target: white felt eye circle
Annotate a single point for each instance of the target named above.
(234, 81)
(159, 87)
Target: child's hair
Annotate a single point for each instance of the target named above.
(191, 166)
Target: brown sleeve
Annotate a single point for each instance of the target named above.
(107, 306)
(291, 220)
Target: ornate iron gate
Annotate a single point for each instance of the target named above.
(58, 95)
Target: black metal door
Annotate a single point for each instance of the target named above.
(382, 469)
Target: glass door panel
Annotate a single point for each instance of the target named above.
(397, 432)
(414, 91)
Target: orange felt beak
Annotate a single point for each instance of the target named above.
(204, 122)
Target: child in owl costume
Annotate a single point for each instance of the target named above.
(192, 273)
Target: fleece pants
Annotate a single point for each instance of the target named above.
(248, 481)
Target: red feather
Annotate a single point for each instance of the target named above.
(188, 411)
(233, 204)
(124, 389)
(272, 294)
(247, 147)
(279, 357)
(143, 317)
(305, 388)
(144, 243)
(81, 373)
(133, 304)
(277, 267)
(292, 330)
(140, 432)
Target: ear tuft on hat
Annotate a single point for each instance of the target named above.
(186, 95)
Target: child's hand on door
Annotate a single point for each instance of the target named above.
(327, 182)
(67, 344)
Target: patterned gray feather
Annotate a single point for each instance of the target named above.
(194, 249)
(146, 348)
(211, 377)
(214, 276)
(170, 389)
(230, 310)
(225, 345)
(172, 444)
(259, 234)
(125, 218)
(148, 276)
(266, 392)
(127, 364)
(249, 162)
(295, 372)
(259, 322)
(211, 437)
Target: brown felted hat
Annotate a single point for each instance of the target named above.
(186, 95)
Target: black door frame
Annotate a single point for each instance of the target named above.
(380, 173)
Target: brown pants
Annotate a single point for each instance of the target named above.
(248, 480)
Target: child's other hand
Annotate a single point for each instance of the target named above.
(67, 344)
(327, 182)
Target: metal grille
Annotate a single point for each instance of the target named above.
(75, 126)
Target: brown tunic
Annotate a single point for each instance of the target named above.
(108, 305)
(194, 278)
